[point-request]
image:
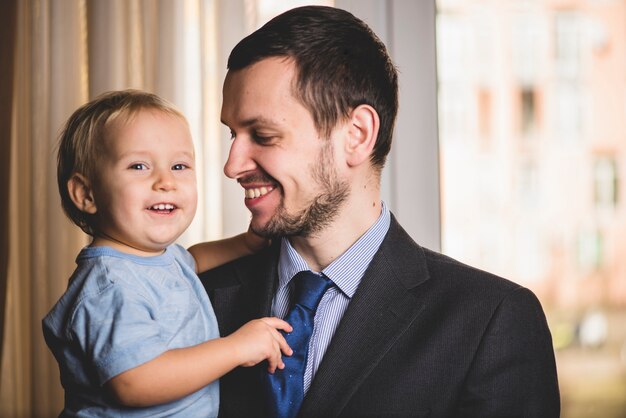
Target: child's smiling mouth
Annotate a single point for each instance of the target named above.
(163, 207)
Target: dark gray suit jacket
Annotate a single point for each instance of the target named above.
(424, 336)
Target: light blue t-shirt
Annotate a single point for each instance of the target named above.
(120, 311)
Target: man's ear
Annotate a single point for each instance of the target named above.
(81, 193)
(362, 133)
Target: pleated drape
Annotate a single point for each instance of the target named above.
(55, 56)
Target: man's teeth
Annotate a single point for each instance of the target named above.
(258, 192)
(162, 206)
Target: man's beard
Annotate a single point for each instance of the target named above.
(322, 209)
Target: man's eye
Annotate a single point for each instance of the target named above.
(138, 166)
(180, 166)
(262, 139)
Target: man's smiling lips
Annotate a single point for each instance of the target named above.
(254, 192)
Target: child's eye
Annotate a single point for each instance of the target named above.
(138, 166)
(179, 166)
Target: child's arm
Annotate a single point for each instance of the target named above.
(180, 372)
(215, 253)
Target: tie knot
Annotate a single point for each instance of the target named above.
(309, 288)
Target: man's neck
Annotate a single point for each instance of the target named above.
(326, 246)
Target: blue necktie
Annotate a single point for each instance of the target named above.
(286, 386)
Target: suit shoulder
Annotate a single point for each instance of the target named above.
(435, 266)
(472, 283)
(478, 293)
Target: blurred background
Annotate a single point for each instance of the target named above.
(532, 134)
(509, 154)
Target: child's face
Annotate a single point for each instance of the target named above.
(146, 191)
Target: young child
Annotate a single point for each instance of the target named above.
(135, 333)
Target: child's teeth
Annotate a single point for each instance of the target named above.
(163, 206)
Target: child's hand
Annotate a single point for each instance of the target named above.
(260, 340)
(254, 242)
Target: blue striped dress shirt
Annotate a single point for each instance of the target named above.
(346, 273)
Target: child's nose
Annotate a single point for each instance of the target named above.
(164, 181)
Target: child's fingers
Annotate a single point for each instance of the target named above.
(282, 344)
(277, 323)
(279, 366)
(275, 360)
(271, 366)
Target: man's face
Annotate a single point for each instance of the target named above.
(290, 176)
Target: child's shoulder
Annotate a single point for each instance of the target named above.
(99, 273)
(102, 269)
(180, 253)
(178, 250)
(94, 280)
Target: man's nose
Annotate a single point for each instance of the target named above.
(239, 158)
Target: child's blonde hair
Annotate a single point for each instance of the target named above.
(81, 140)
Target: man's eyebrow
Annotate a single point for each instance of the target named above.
(255, 121)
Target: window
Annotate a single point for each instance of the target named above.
(568, 112)
(589, 250)
(568, 39)
(605, 184)
(531, 146)
(528, 111)
(484, 115)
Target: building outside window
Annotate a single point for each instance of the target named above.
(544, 196)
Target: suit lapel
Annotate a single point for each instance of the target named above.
(385, 300)
(270, 281)
(259, 278)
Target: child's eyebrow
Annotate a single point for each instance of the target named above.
(188, 154)
(143, 154)
(129, 154)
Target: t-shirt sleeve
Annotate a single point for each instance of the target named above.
(117, 329)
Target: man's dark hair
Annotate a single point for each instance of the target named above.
(340, 64)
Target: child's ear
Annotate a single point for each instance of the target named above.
(79, 189)
(362, 134)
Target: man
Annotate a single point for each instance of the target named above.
(311, 100)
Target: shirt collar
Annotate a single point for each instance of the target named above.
(348, 269)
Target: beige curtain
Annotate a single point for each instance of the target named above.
(66, 52)
(8, 16)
